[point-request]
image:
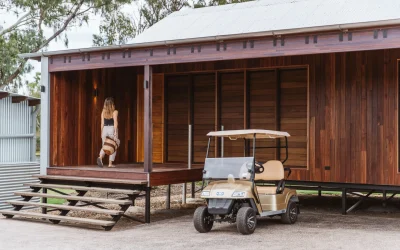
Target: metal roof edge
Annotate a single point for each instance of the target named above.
(11, 94)
(339, 27)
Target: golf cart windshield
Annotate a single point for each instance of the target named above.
(234, 167)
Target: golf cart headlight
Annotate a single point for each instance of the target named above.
(239, 194)
(205, 193)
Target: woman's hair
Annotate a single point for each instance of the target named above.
(108, 108)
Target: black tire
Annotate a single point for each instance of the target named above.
(291, 214)
(202, 220)
(246, 220)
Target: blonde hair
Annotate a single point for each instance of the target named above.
(108, 108)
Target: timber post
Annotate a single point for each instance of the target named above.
(148, 134)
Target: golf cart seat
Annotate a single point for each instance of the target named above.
(273, 171)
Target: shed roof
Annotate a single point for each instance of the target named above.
(10, 94)
(267, 16)
(257, 18)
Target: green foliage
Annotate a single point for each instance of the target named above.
(26, 34)
(223, 2)
(116, 28)
(34, 91)
(119, 28)
(34, 87)
(204, 3)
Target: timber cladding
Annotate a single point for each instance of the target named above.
(352, 107)
(75, 110)
(274, 99)
(341, 110)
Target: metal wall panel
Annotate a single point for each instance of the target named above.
(12, 179)
(16, 133)
(17, 159)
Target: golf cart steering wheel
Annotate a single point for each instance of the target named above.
(258, 168)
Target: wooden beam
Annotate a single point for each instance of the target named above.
(3, 95)
(18, 99)
(33, 102)
(263, 47)
(165, 119)
(191, 112)
(277, 112)
(246, 113)
(148, 119)
(217, 111)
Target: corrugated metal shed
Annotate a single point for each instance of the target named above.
(17, 144)
(267, 15)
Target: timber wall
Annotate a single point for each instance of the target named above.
(341, 109)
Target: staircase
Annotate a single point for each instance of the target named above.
(129, 189)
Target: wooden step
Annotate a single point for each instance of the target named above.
(83, 188)
(75, 198)
(66, 207)
(94, 180)
(103, 223)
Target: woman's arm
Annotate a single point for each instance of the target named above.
(115, 117)
(102, 124)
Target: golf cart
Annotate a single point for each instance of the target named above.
(239, 188)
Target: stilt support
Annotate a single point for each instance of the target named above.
(147, 205)
(344, 201)
(168, 199)
(193, 190)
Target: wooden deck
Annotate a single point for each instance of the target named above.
(162, 174)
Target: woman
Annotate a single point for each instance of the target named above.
(109, 127)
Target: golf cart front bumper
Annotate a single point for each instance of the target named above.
(220, 206)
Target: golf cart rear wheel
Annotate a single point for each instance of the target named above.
(202, 220)
(290, 217)
(246, 220)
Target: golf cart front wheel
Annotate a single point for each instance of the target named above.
(202, 220)
(292, 211)
(246, 220)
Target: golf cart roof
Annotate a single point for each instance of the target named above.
(249, 134)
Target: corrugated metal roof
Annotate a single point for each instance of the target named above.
(267, 15)
(256, 18)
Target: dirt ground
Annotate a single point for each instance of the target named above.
(320, 226)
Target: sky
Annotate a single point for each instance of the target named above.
(79, 37)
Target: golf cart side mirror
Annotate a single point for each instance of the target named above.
(290, 171)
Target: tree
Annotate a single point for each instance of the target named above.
(34, 91)
(119, 28)
(34, 87)
(26, 34)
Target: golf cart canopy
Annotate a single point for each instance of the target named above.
(249, 134)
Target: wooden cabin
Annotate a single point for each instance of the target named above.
(328, 78)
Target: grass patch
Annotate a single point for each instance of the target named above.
(314, 192)
(56, 200)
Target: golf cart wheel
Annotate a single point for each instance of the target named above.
(246, 220)
(202, 220)
(290, 217)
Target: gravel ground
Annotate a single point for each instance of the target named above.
(314, 230)
(320, 226)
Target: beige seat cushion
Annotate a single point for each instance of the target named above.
(273, 171)
(266, 190)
